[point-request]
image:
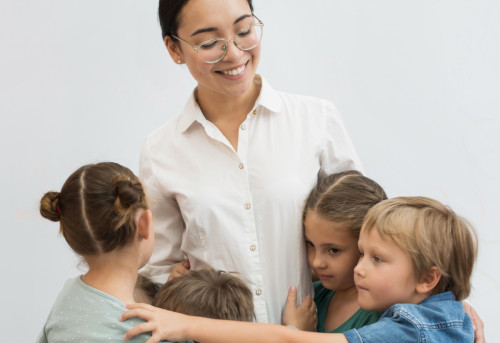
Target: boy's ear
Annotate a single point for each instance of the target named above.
(429, 280)
(173, 49)
(144, 224)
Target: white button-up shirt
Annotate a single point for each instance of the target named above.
(241, 211)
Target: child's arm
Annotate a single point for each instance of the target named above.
(174, 326)
(303, 317)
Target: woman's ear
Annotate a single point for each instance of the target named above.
(145, 224)
(173, 49)
(429, 280)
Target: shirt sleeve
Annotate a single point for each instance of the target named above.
(167, 222)
(387, 329)
(338, 153)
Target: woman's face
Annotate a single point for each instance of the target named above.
(201, 20)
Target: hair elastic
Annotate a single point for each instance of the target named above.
(58, 210)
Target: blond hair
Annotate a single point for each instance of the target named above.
(344, 198)
(207, 293)
(433, 235)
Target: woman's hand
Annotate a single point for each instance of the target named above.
(477, 322)
(181, 268)
(158, 321)
(303, 317)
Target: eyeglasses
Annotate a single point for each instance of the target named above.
(214, 50)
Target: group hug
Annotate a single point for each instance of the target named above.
(252, 220)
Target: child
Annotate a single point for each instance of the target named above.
(207, 293)
(333, 215)
(105, 219)
(416, 261)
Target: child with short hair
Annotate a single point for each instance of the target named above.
(104, 217)
(207, 293)
(333, 215)
(416, 261)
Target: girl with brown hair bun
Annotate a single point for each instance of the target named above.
(104, 217)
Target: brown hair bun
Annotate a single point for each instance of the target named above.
(49, 206)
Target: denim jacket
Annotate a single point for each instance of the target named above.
(439, 318)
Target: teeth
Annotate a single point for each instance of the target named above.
(234, 71)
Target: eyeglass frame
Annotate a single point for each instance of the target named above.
(196, 47)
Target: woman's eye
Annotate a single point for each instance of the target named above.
(309, 244)
(334, 251)
(245, 32)
(208, 44)
(361, 254)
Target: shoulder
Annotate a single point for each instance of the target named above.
(440, 308)
(85, 313)
(307, 104)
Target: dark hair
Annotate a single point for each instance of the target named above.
(207, 293)
(344, 198)
(169, 13)
(96, 207)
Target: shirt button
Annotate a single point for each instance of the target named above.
(253, 247)
(242, 166)
(243, 126)
(258, 292)
(254, 111)
(247, 206)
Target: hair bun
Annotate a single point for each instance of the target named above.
(127, 192)
(49, 206)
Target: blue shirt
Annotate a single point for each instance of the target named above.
(439, 318)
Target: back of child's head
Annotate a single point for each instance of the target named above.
(433, 235)
(207, 293)
(344, 198)
(96, 207)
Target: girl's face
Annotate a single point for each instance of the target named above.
(384, 275)
(201, 20)
(332, 252)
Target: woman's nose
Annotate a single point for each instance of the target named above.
(233, 53)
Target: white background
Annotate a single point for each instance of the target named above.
(417, 83)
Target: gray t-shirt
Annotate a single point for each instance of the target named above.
(82, 313)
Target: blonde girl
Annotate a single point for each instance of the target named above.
(333, 215)
(104, 217)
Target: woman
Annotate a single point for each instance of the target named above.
(229, 176)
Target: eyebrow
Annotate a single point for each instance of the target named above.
(211, 29)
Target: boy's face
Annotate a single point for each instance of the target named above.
(384, 275)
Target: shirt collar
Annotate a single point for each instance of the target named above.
(268, 98)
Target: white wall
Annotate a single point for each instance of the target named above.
(86, 81)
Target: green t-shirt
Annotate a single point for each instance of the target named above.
(322, 298)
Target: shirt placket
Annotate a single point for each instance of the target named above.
(252, 247)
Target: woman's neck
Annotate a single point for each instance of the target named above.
(217, 107)
(114, 273)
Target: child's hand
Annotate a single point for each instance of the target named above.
(181, 268)
(303, 317)
(161, 323)
(476, 321)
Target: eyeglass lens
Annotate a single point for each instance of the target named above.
(246, 39)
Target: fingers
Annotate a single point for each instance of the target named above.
(306, 304)
(137, 310)
(291, 300)
(138, 329)
(187, 264)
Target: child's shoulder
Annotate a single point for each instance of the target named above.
(439, 308)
